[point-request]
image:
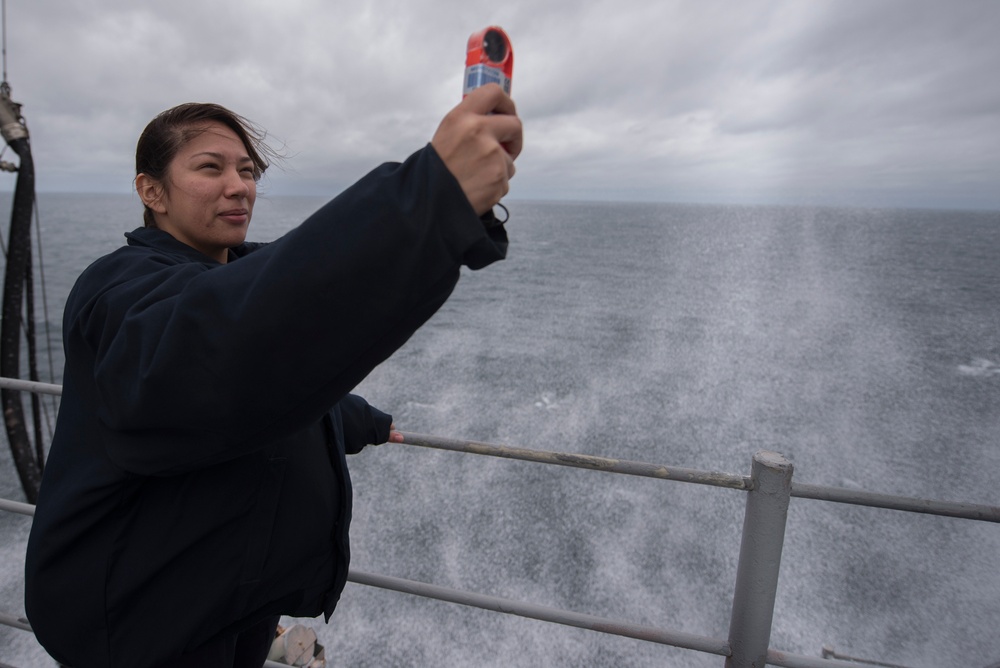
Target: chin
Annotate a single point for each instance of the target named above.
(236, 239)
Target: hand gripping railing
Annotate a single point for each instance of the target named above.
(769, 489)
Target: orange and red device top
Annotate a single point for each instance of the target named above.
(490, 59)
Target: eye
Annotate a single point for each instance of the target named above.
(210, 165)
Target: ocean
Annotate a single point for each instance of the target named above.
(862, 344)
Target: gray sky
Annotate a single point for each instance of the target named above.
(866, 102)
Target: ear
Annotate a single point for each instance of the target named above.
(150, 192)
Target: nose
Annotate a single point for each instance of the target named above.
(237, 186)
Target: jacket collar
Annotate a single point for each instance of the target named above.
(157, 239)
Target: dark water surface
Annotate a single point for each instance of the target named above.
(864, 345)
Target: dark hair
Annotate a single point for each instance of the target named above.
(172, 129)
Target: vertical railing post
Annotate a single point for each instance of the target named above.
(760, 559)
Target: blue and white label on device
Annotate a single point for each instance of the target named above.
(480, 75)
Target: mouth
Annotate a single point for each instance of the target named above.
(235, 216)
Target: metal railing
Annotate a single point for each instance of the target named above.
(769, 488)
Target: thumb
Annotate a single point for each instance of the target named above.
(489, 99)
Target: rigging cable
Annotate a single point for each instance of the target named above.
(18, 321)
(52, 400)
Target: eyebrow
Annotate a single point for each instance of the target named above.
(219, 156)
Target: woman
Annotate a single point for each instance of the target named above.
(197, 485)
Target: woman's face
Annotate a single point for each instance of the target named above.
(209, 193)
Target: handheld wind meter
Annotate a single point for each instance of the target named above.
(489, 59)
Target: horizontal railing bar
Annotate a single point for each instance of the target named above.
(528, 610)
(789, 660)
(829, 652)
(969, 511)
(30, 386)
(543, 613)
(16, 622)
(17, 507)
(591, 462)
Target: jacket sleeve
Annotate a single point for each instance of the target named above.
(191, 364)
(363, 424)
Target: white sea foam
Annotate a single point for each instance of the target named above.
(547, 402)
(980, 367)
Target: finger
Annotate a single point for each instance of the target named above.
(489, 99)
(508, 131)
(505, 105)
(514, 143)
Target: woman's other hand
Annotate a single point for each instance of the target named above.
(394, 436)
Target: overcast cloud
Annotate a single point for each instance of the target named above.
(867, 102)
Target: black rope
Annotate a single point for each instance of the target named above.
(506, 214)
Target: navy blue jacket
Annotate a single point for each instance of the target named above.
(197, 482)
